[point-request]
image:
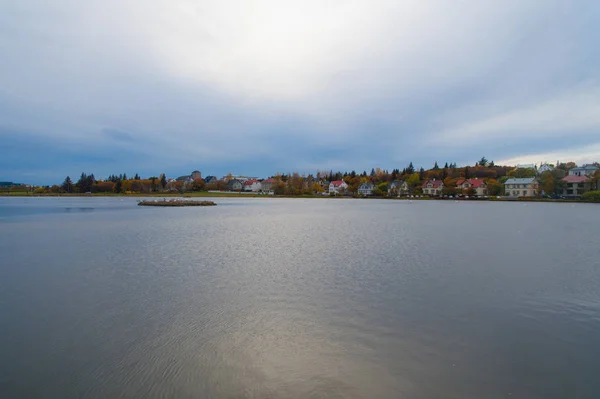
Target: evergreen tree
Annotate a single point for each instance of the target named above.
(435, 166)
(136, 177)
(467, 174)
(372, 172)
(163, 181)
(446, 165)
(118, 185)
(411, 169)
(67, 185)
(421, 174)
(124, 176)
(81, 183)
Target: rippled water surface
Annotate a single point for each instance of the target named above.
(284, 298)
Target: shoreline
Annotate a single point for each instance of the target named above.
(247, 195)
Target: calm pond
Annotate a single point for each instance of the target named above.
(292, 298)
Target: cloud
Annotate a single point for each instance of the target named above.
(260, 86)
(580, 155)
(575, 111)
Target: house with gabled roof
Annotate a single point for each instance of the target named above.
(251, 185)
(545, 168)
(398, 187)
(234, 185)
(366, 189)
(479, 185)
(268, 184)
(433, 187)
(338, 186)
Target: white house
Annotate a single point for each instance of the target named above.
(525, 187)
(338, 186)
(252, 185)
(366, 189)
(585, 170)
(545, 168)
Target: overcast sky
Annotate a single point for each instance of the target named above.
(257, 87)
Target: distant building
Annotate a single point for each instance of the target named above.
(267, 185)
(210, 179)
(234, 185)
(338, 186)
(525, 187)
(575, 185)
(366, 189)
(184, 179)
(479, 185)
(196, 175)
(545, 168)
(433, 187)
(251, 185)
(585, 170)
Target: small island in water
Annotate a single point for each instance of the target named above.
(176, 202)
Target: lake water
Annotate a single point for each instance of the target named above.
(291, 298)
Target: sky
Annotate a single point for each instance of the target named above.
(259, 87)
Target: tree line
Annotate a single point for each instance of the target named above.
(294, 183)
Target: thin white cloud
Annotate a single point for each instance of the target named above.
(574, 111)
(579, 154)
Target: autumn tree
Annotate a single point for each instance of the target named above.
(494, 187)
(595, 180)
(198, 185)
(522, 173)
(413, 182)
